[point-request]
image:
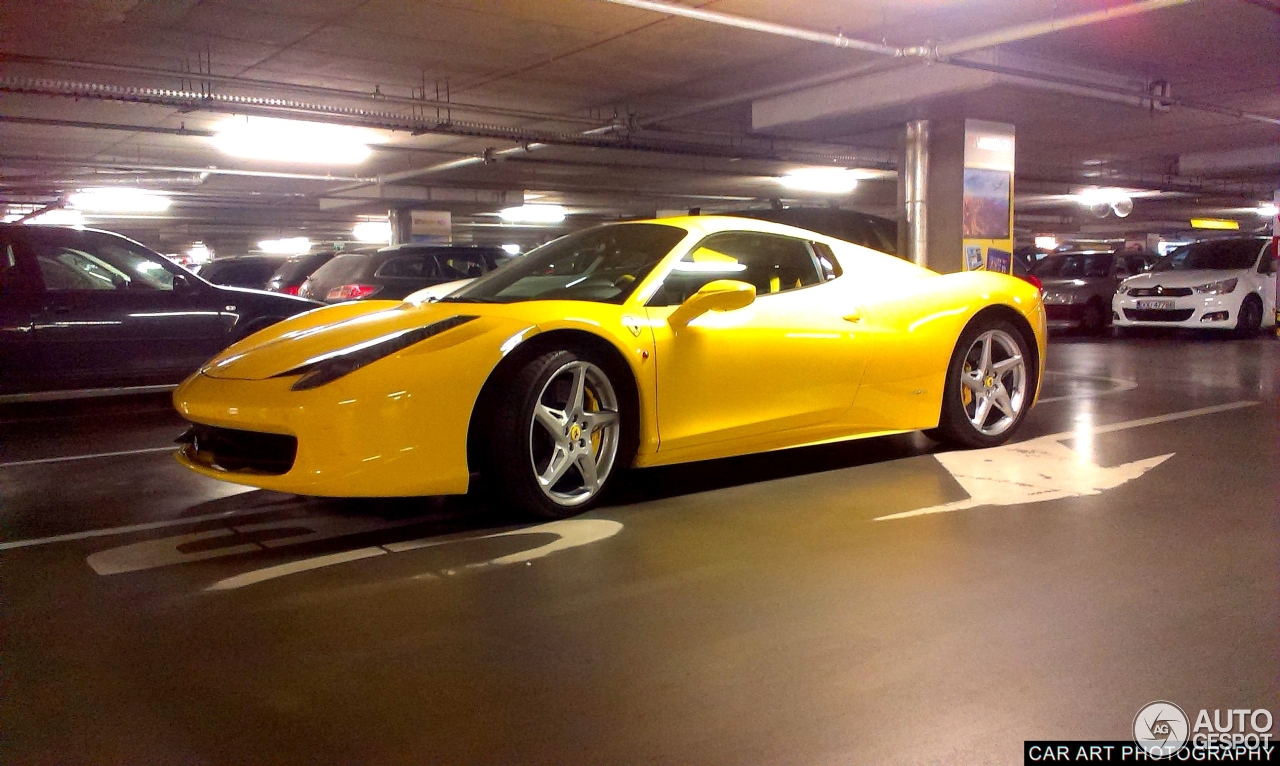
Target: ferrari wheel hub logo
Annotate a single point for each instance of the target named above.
(575, 432)
(990, 381)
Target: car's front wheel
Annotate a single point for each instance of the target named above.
(989, 387)
(1249, 320)
(556, 437)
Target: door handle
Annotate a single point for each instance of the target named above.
(853, 316)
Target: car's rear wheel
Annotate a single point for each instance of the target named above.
(555, 441)
(1249, 320)
(989, 387)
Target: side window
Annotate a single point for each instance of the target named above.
(1267, 264)
(462, 265)
(827, 262)
(85, 263)
(15, 274)
(774, 264)
(409, 266)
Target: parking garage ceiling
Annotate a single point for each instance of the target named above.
(619, 111)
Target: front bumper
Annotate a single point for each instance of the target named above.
(1192, 311)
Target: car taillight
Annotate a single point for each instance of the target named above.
(1033, 279)
(351, 292)
(289, 289)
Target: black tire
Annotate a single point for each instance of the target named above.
(514, 443)
(1249, 320)
(954, 425)
(1093, 320)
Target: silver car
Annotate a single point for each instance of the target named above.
(1078, 285)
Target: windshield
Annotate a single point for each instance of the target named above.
(1223, 254)
(1075, 265)
(603, 265)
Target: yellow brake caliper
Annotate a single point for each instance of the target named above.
(966, 396)
(592, 405)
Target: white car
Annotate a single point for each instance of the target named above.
(1224, 284)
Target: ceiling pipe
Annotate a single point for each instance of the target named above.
(132, 166)
(318, 90)
(741, 22)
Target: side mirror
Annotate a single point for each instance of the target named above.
(720, 295)
(182, 284)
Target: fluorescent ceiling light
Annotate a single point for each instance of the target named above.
(1046, 242)
(1095, 196)
(533, 214)
(269, 138)
(58, 217)
(372, 231)
(119, 200)
(287, 246)
(1268, 210)
(512, 249)
(995, 144)
(823, 180)
(199, 252)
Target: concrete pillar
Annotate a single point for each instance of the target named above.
(931, 195)
(401, 225)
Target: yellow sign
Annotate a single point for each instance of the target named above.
(1214, 223)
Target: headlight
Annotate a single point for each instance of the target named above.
(329, 367)
(1218, 288)
(1055, 298)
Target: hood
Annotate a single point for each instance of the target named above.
(1182, 278)
(323, 332)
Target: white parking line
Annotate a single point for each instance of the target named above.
(67, 458)
(108, 531)
(1120, 387)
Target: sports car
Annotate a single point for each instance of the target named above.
(625, 345)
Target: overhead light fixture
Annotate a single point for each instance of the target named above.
(512, 249)
(58, 217)
(1215, 223)
(1268, 210)
(372, 231)
(822, 180)
(1046, 242)
(286, 246)
(1103, 201)
(270, 138)
(533, 214)
(119, 200)
(199, 252)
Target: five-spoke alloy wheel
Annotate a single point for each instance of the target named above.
(557, 434)
(989, 386)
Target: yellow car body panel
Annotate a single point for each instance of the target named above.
(860, 355)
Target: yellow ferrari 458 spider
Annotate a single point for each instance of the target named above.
(631, 344)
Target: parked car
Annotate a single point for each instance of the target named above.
(1078, 285)
(84, 309)
(551, 374)
(241, 270)
(1219, 284)
(1021, 270)
(394, 272)
(849, 225)
(294, 271)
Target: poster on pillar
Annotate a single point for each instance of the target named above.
(434, 226)
(987, 224)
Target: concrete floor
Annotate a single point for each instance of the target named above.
(742, 611)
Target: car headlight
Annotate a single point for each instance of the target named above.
(335, 364)
(1218, 288)
(1056, 298)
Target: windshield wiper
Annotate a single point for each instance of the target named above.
(450, 299)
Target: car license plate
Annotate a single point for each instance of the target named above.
(1155, 305)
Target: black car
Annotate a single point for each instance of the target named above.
(394, 272)
(859, 228)
(242, 270)
(293, 272)
(84, 309)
